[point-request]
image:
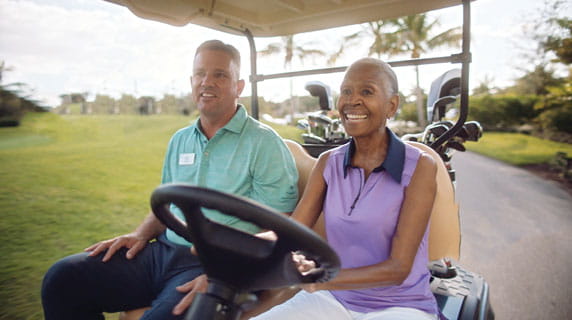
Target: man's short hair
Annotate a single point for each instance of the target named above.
(221, 46)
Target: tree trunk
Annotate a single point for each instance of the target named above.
(292, 104)
(419, 96)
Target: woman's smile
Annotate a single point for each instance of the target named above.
(355, 116)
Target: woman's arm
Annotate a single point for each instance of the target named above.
(413, 221)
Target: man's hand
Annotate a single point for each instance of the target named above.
(199, 284)
(131, 241)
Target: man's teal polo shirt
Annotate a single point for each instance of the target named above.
(245, 158)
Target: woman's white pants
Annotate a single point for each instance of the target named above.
(323, 305)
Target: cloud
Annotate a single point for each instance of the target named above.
(100, 48)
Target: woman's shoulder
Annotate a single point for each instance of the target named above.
(336, 154)
(420, 153)
(332, 158)
(412, 151)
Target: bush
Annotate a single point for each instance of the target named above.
(407, 112)
(557, 119)
(13, 107)
(503, 112)
(556, 108)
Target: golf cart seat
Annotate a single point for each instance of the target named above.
(304, 164)
(444, 232)
(460, 294)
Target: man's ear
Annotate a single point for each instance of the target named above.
(239, 87)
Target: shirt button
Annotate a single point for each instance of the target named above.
(206, 154)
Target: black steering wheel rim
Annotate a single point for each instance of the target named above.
(242, 260)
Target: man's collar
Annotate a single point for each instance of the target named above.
(236, 122)
(394, 161)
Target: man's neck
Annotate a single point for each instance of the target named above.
(210, 125)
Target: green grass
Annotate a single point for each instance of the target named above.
(67, 182)
(518, 149)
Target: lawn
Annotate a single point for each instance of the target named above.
(518, 149)
(69, 181)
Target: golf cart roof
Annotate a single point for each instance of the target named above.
(277, 17)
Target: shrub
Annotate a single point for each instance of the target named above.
(502, 112)
(556, 108)
(407, 112)
(557, 119)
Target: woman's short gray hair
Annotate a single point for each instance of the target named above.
(390, 79)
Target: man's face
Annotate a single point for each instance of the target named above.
(363, 103)
(215, 83)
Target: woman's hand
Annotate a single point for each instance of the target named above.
(303, 265)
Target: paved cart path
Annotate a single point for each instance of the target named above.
(517, 233)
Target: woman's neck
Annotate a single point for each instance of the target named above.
(370, 151)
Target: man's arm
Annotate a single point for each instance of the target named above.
(275, 177)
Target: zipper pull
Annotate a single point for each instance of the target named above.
(354, 204)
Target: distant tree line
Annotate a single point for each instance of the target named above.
(77, 103)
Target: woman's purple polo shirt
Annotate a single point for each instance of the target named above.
(361, 219)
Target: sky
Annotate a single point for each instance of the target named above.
(64, 46)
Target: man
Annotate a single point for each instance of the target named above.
(224, 149)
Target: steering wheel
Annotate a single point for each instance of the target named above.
(240, 260)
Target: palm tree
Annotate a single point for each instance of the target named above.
(413, 33)
(405, 34)
(383, 42)
(290, 50)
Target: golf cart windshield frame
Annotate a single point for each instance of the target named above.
(280, 17)
(464, 58)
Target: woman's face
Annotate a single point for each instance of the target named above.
(364, 105)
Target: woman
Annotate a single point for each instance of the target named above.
(376, 194)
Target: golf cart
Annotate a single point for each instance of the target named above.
(460, 293)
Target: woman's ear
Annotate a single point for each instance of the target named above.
(394, 105)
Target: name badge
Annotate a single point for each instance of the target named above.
(186, 159)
